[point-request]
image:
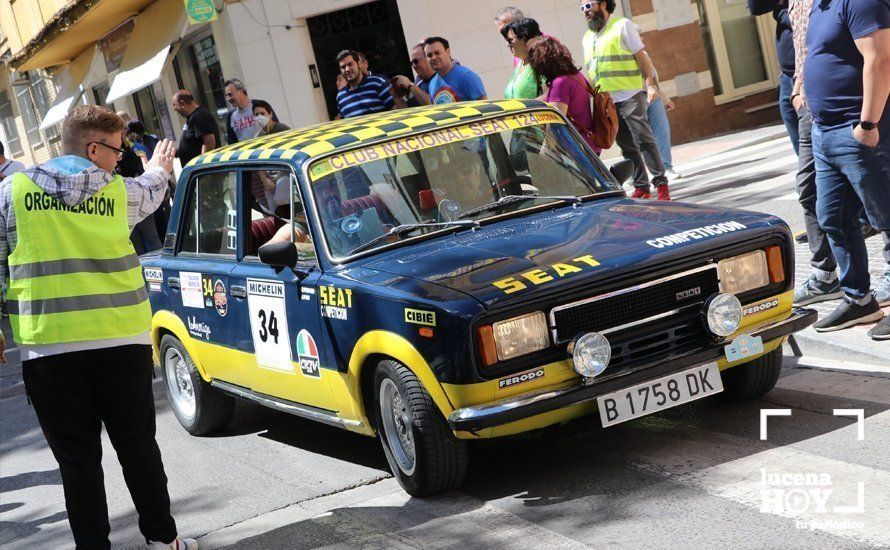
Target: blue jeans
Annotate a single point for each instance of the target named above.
(789, 115)
(661, 129)
(851, 177)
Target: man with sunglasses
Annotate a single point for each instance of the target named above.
(80, 315)
(616, 60)
(406, 93)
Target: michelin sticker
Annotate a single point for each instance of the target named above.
(268, 324)
(307, 354)
(191, 289)
(154, 277)
(704, 232)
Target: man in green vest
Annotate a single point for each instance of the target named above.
(80, 315)
(615, 59)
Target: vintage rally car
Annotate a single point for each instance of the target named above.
(437, 275)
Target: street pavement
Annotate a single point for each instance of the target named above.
(698, 475)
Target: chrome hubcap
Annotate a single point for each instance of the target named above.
(397, 426)
(179, 383)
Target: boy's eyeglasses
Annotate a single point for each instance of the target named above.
(120, 152)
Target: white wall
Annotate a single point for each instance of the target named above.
(273, 61)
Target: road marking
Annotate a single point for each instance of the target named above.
(766, 413)
(833, 364)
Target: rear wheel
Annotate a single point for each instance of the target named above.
(200, 408)
(422, 452)
(753, 379)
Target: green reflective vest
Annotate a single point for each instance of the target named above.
(74, 274)
(608, 63)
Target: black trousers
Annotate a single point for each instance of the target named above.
(637, 142)
(73, 395)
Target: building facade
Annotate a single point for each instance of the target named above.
(714, 59)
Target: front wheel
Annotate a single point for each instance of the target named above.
(752, 379)
(200, 408)
(422, 452)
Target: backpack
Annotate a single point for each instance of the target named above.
(604, 115)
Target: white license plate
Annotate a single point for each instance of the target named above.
(660, 394)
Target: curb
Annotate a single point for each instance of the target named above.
(812, 343)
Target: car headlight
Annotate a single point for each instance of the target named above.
(742, 273)
(520, 335)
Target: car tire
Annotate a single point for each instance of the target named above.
(753, 379)
(200, 408)
(409, 423)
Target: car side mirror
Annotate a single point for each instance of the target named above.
(280, 254)
(622, 170)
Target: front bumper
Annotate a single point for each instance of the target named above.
(524, 406)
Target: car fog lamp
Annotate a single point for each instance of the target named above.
(724, 314)
(591, 353)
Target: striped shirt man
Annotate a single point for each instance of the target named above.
(372, 95)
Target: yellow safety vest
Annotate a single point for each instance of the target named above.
(74, 274)
(608, 62)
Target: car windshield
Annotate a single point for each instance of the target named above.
(470, 172)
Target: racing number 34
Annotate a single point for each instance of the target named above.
(269, 328)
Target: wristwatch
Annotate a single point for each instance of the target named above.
(867, 125)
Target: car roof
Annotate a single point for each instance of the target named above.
(302, 144)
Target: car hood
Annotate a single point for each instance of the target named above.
(567, 245)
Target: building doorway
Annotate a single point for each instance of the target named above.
(375, 29)
(197, 69)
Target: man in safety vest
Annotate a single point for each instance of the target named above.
(616, 61)
(80, 315)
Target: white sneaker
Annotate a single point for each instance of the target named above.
(672, 175)
(178, 544)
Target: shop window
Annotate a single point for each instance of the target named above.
(42, 101)
(197, 68)
(25, 101)
(739, 48)
(7, 118)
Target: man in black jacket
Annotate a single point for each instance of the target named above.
(785, 50)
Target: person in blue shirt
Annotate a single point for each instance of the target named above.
(847, 81)
(453, 82)
(363, 93)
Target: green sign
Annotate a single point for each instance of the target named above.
(200, 11)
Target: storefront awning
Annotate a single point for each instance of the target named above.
(150, 48)
(70, 80)
(73, 29)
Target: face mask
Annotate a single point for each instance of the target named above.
(262, 120)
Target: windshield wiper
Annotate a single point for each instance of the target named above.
(509, 199)
(407, 228)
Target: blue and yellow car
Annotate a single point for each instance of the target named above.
(439, 275)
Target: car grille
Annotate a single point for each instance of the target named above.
(612, 312)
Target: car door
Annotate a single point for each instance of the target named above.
(277, 307)
(205, 254)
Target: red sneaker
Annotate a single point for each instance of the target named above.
(663, 193)
(640, 193)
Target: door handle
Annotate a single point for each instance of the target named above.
(238, 291)
(173, 282)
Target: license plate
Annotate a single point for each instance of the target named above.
(660, 394)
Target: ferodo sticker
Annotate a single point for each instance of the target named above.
(420, 317)
(763, 306)
(335, 302)
(307, 353)
(519, 378)
(545, 274)
(429, 140)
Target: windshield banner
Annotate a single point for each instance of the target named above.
(428, 140)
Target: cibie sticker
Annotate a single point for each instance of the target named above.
(307, 355)
(154, 277)
(191, 289)
(420, 317)
(268, 324)
(220, 298)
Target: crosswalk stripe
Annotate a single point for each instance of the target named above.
(773, 146)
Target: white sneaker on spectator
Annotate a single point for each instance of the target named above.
(178, 544)
(672, 175)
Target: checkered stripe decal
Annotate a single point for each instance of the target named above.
(323, 138)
